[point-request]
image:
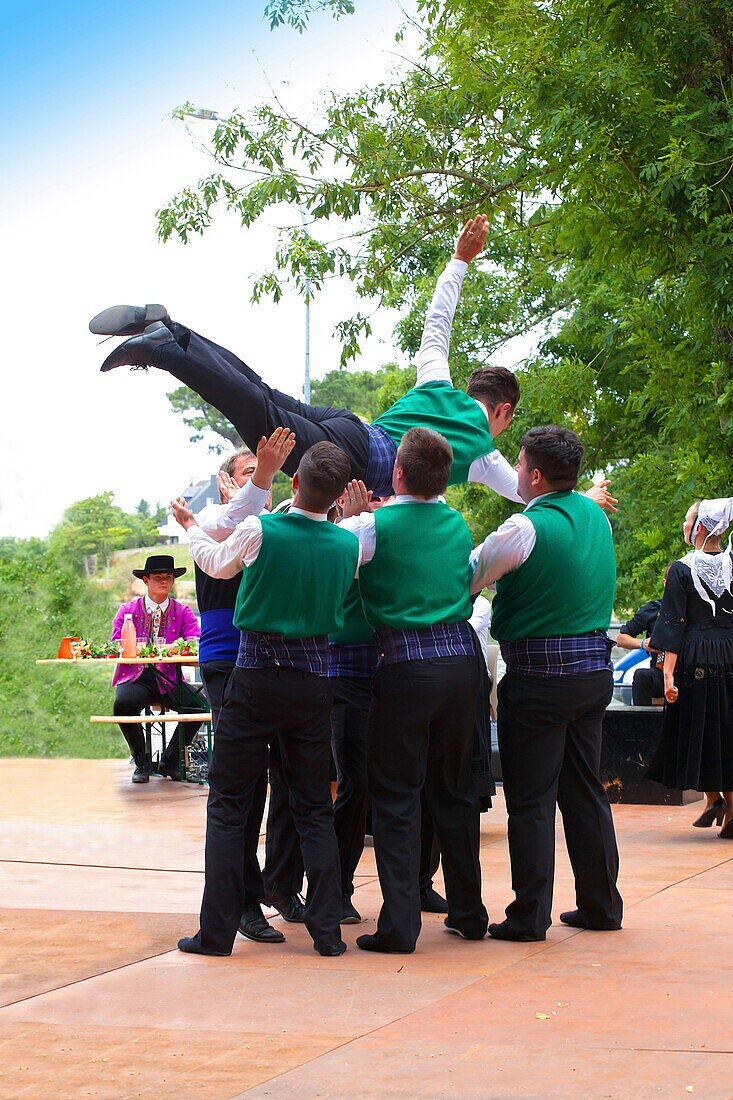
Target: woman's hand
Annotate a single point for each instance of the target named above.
(670, 691)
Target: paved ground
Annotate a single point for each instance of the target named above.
(98, 879)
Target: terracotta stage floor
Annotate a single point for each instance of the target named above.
(100, 878)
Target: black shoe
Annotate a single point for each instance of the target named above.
(349, 915)
(331, 950)
(192, 946)
(465, 935)
(253, 926)
(138, 350)
(575, 919)
(142, 769)
(714, 813)
(127, 320)
(168, 769)
(726, 833)
(504, 932)
(432, 902)
(290, 909)
(373, 943)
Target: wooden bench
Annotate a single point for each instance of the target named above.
(149, 720)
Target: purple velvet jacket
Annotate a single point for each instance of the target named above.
(177, 622)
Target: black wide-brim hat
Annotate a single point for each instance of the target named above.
(159, 563)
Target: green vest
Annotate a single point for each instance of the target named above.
(451, 412)
(356, 630)
(419, 573)
(297, 584)
(567, 584)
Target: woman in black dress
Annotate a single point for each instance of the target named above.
(695, 630)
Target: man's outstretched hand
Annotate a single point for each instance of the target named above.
(355, 500)
(600, 494)
(271, 453)
(472, 239)
(184, 515)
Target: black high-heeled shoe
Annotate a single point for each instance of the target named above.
(714, 813)
(726, 833)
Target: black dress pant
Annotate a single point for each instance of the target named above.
(253, 407)
(550, 748)
(421, 735)
(261, 705)
(647, 684)
(283, 870)
(352, 696)
(134, 695)
(429, 847)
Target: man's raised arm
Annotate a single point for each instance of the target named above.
(432, 358)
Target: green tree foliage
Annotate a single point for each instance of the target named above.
(96, 527)
(599, 137)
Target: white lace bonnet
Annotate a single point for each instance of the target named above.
(714, 516)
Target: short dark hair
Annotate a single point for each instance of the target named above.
(227, 466)
(555, 452)
(425, 457)
(493, 385)
(323, 472)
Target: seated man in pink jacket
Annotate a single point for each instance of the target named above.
(155, 615)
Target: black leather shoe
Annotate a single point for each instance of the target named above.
(726, 833)
(290, 909)
(349, 914)
(169, 770)
(127, 320)
(331, 950)
(142, 769)
(138, 350)
(192, 946)
(714, 813)
(253, 926)
(503, 931)
(464, 935)
(432, 902)
(373, 943)
(575, 919)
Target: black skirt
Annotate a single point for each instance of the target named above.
(696, 748)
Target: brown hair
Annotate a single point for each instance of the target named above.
(425, 458)
(493, 385)
(555, 452)
(323, 472)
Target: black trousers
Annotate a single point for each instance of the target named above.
(550, 748)
(253, 407)
(132, 697)
(421, 735)
(352, 696)
(259, 706)
(647, 684)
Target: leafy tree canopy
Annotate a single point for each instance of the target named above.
(599, 138)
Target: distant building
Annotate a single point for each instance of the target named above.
(198, 494)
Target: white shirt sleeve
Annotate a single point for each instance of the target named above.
(219, 520)
(504, 549)
(226, 559)
(364, 527)
(432, 358)
(481, 621)
(494, 470)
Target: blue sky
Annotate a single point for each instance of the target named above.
(89, 153)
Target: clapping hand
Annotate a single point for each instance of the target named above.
(356, 499)
(184, 515)
(227, 486)
(271, 453)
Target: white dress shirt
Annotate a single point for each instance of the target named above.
(432, 366)
(226, 559)
(150, 605)
(219, 520)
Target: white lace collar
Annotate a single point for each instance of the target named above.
(714, 569)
